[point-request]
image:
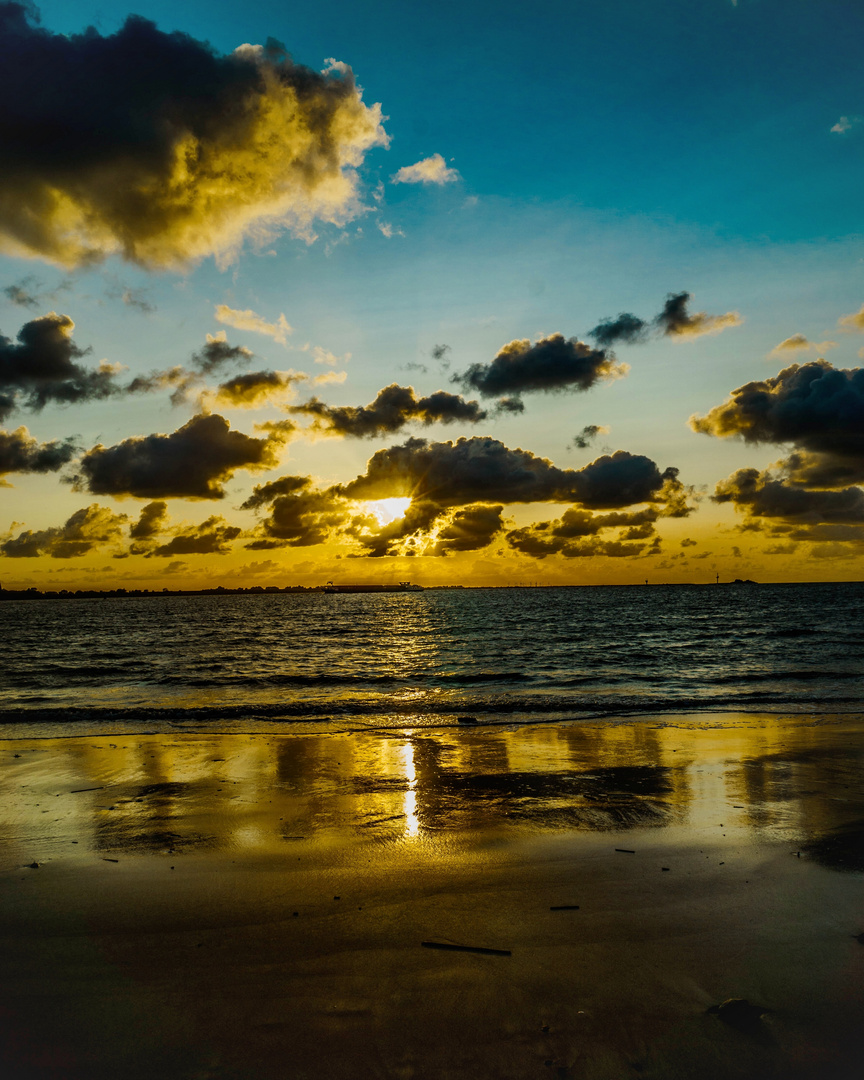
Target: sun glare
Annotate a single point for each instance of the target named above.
(387, 510)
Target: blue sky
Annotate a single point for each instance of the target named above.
(608, 154)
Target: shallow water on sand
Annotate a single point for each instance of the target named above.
(253, 907)
(500, 655)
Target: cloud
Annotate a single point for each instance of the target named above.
(19, 295)
(587, 435)
(553, 365)
(393, 408)
(458, 492)
(431, 170)
(91, 527)
(441, 353)
(28, 293)
(799, 343)
(20, 452)
(40, 368)
(133, 298)
(151, 521)
(624, 327)
(576, 534)
(210, 537)
(814, 406)
(468, 529)
(766, 495)
(388, 230)
(299, 516)
(249, 320)
(193, 462)
(328, 378)
(853, 322)
(256, 388)
(216, 353)
(676, 322)
(819, 410)
(154, 146)
(845, 124)
(484, 470)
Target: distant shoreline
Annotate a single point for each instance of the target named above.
(272, 590)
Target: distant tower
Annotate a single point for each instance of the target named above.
(718, 579)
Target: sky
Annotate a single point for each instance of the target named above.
(458, 294)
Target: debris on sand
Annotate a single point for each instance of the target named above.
(464, 948)
(739, 1013)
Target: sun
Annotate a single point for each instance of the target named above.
(387, 510)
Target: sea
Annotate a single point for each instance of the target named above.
(440, 657)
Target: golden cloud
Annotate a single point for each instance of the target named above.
(250, 320)
(182, 154)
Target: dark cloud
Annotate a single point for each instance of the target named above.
(509, 405)
(154, 146)
(21, 453)
(28, 292)
(40, 368)
(193, 462)
(181, 381)
(256, 388)
(575, 534)
(624, 327)
(264, 494)
(150, 522)
(468, 530)
(20, 296)
(216, 353)
(133, 298)
(458, 492)
(393, 408)
(88, 528)
(441, 353)
(814, 406)
(299, 515)
(552, 365)
(211, 537)
(764, 495)
(817, 408)
(587, 435)
(482, 469)
(676, 322)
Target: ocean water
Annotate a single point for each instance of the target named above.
(431, 658)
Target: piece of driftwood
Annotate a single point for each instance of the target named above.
(464, 948)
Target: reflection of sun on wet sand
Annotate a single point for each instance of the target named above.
(255, 906)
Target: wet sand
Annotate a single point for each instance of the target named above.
(254, 907)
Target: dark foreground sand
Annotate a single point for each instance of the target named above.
(253, 907)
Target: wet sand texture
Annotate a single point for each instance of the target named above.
(262, 907)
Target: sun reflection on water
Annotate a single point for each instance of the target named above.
(412, 825)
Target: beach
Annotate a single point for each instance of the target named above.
(268, 904)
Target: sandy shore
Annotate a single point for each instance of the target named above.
(254, 907)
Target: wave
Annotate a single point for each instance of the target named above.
(398, 713)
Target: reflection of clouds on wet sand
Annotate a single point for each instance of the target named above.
(759, 778)
(255, 905)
